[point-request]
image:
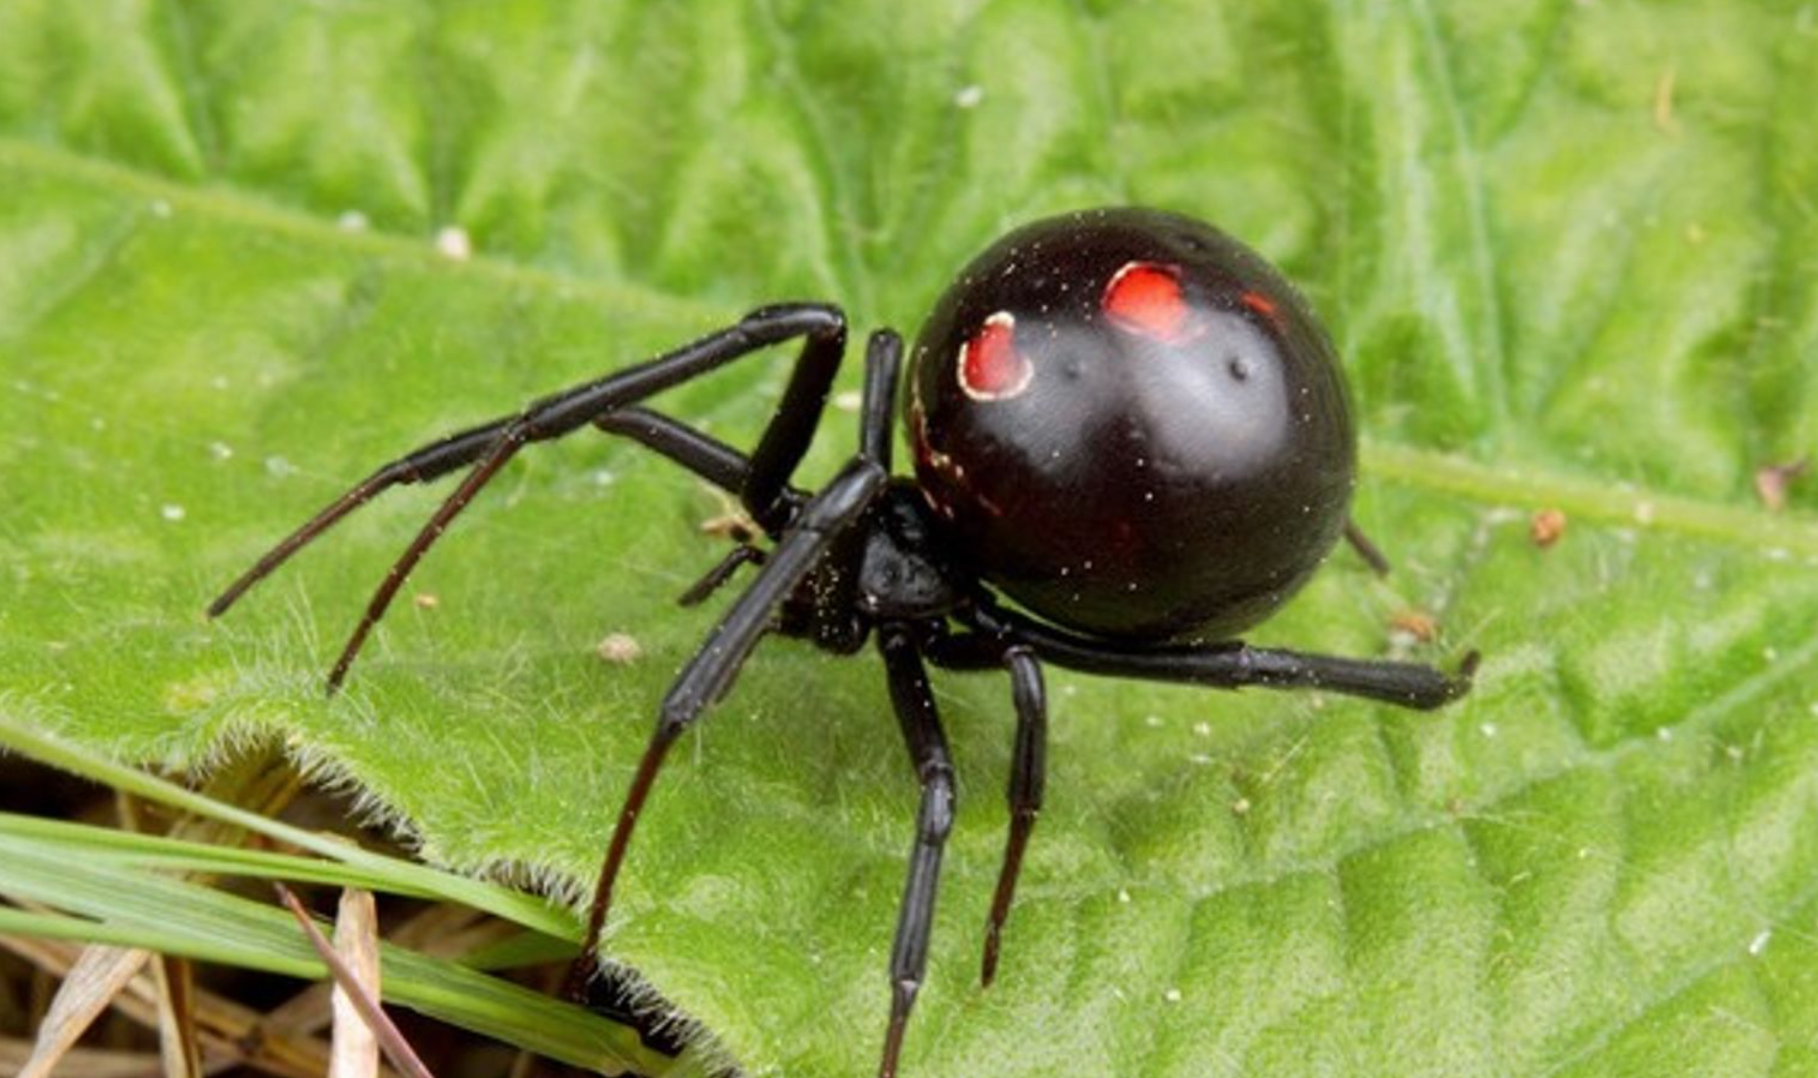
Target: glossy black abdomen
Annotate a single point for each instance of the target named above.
(1132, 425)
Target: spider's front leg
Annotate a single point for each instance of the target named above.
(814, 527)
(921, 725)
(490, 446)
(709, 675)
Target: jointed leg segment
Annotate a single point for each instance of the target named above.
(1028, 776)
(1231, 665)
(490, 446)
(709, 675)
(914, 705)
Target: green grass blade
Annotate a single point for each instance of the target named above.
(514, 906)
(119, 905)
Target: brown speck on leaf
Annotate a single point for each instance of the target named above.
(1547, 527)
(731, 522)
(1663, 103)
(1418, 624)
(427, 600)
(619, 649)
(1772, 480)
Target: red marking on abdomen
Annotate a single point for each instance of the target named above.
(1145, 297)
(1259, 303)
(990, 365)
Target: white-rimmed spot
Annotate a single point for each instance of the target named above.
(990, 366)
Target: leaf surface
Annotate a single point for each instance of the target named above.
(1566, 249)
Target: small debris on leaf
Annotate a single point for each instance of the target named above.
(1417, 626)
(732, 522)
(454, 243)
(1663, 103)
(426, 600)
(1772, 481)
(1547, 527)
(619, 649)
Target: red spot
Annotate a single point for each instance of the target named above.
(990, 366)
(1259, 303)
(1145, 297)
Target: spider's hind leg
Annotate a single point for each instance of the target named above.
(1228, 665)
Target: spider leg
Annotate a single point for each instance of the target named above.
(700, 453)
(711, 671)
(821, 521)
(915, 711)
(419, 466)
(490, 446)
(695, 450)
(1028, 775)
(730, 470)
(722, 571)
(1230, 665)
(1368, 551)
(709, 675)
(712, 460)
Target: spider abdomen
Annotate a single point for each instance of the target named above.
(1132, 425)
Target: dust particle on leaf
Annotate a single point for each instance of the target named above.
(181, 697)
(619, 649)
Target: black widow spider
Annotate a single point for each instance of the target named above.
(1123, 420)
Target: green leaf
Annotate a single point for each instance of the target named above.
(1567, 251)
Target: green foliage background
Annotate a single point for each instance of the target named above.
(1567, 249)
